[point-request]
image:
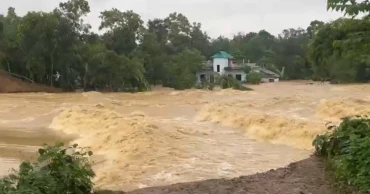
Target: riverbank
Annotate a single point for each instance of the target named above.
(304, 177)
(10, 84)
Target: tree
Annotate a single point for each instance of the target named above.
(183, 67)
(313, 28)
(160, 28)
(339, 52)
(350, 7)
(124, 29)
(200, 40)
(8, 47)
(154, 56)
(247, 69)
(291, 54)
(221, 44)
(358, 31)
(40, 45)
(74, 10)
(254, 78)
(322, 48)
(38, 41)
(179, 29)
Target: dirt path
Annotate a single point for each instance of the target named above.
(304, 177)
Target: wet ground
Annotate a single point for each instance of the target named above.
(304, 177)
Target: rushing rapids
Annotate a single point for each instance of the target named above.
(165, 136)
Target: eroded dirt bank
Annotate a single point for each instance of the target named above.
(10, 84)
(303, 177)
(166, 137)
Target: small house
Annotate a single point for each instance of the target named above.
(222, 64)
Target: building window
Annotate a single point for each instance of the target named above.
(238, 77)
(202, 77)
(218, 68)
(230, 75)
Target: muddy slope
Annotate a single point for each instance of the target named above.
(304, 177)
(9, 84)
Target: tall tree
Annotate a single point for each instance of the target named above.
(179, 29)
(200, 40)
(124, 29)
(182, 69)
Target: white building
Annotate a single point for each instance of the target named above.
(222, 64)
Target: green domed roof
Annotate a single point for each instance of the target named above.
(222, 55)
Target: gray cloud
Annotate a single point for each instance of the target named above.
(218, 17)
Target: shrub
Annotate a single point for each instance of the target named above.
(184, 81)
(205, 84)
(55, 172)
(211, 86)
(347, 150)
(199, 86)
(254, 78)
(229, 82)
(247, 69)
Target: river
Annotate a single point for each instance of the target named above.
(164, 136)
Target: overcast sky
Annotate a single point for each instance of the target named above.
(218, 17)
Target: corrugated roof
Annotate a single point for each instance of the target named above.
(267, 72)
(222, 55)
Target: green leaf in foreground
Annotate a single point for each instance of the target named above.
(55, 172)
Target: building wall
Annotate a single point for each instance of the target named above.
(206, 73)
(266, 80)
(234, 73)
(222, 62)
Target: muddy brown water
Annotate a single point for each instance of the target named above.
(164, 137)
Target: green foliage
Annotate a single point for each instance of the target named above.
(199, 86)
(340, 50)
(184, 81)
(211, 86)
(205, 84)
(254, 78)
(130, 54)
(342, 70)
(347, 149)
(247, 69)
(225, 82)
(55, 172)
(183, 69)
(350, 7)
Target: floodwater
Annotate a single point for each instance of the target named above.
(165, 136)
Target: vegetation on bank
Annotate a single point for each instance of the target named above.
(55, 172)
(346, 149)
(254, 78)
(340, 50)
(225, 82)
(343, 52)
(55, 48)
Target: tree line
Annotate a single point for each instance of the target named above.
(58, 48)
